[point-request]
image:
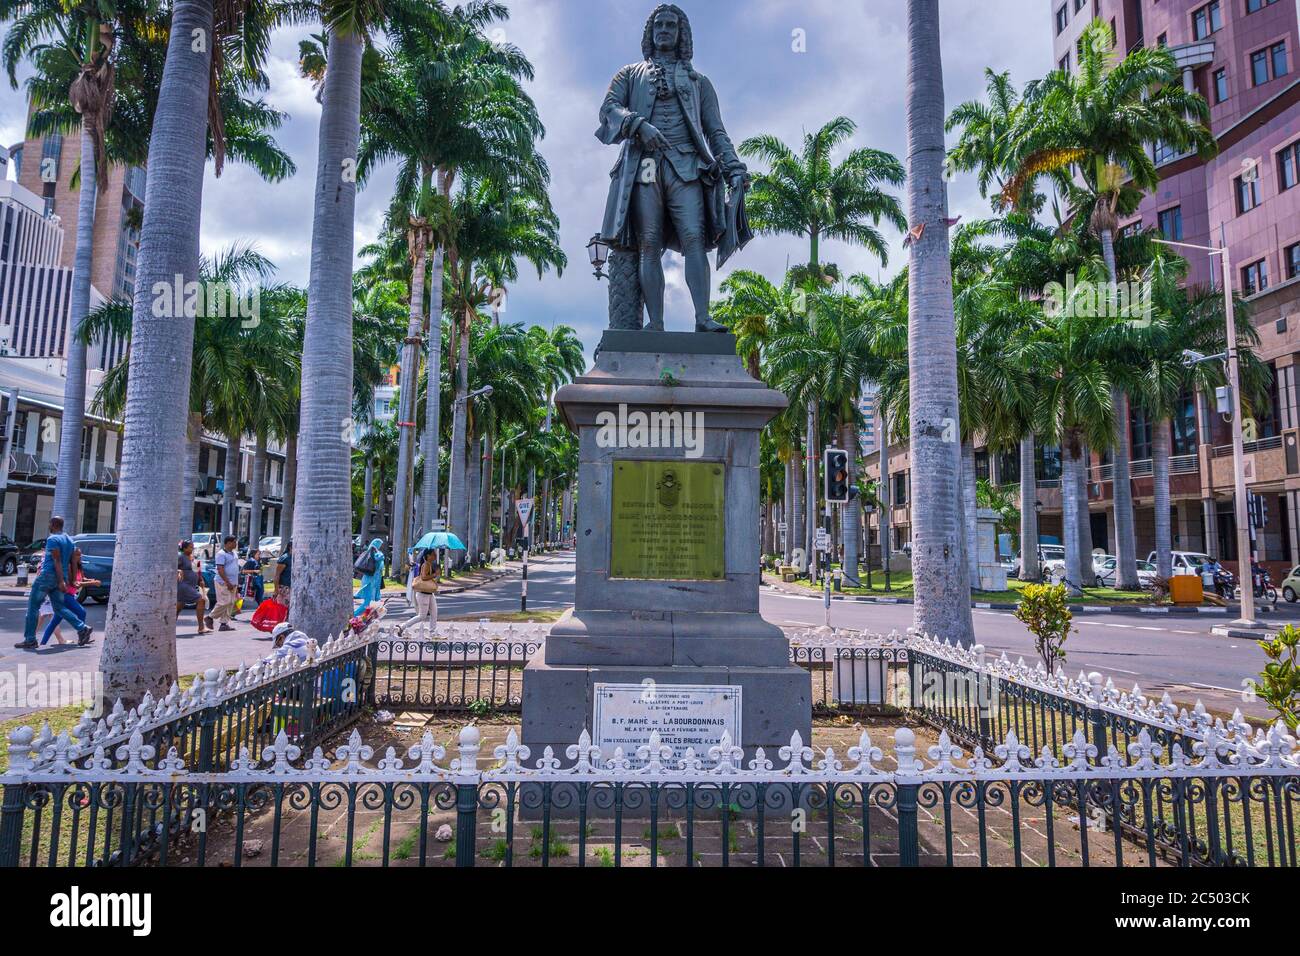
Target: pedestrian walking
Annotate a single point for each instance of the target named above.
(76, 581)
(371, 568)
(51, 582)
(226, 580)
(424, 589)
(253, 584)
(282, 581)
(189, 587)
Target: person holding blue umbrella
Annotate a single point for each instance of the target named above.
(370, 565)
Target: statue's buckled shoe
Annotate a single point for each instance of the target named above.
(709, 326)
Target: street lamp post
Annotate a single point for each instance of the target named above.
(1245, 556)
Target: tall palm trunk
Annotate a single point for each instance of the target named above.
(139, 653)
(322, 574)
(1028, 513)
(432, 398)
(1160, 484)
(787, 509)
(795, 527)
(259, 491)
(485, 498)
(1070, 507)
(409, 371)
(969, 510)
(230, 487)
(851, 529)
(810, 486)
(474, 494)
(940, 574)
(290, 487)
(1125, 533)
(190, 481)
(367, 501)
(1088, 577)
(885, 492)
(457, 496)
(67, 481)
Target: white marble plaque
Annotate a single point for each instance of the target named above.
(686, 716)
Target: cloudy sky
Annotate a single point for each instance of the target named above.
(780, 66)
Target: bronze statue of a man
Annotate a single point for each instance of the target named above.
(668, 189)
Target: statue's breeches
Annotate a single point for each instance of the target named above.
(669, 203)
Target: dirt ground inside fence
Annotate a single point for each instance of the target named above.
(720, 836)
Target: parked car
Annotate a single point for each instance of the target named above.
(8, 555)
(270, 547)
(1049, 556)
(1106, 572)
(33, 554)
(1291, 584)
(1184, 562)
(96, 562)
(206, 544)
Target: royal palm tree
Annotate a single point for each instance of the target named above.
(139, 654)
(941, 581)
(1091, 133)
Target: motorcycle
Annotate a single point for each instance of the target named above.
(1262, 586)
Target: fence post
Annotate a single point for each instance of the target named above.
(466, 795)
(15, 796)
(984, 699)
(208, 722)
(373, 657)
(1096, 717)
(907, 787)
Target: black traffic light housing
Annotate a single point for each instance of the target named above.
(835, 463)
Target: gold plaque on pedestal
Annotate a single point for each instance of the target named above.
(667, 520)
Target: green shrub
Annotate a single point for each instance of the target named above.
(1043, 609)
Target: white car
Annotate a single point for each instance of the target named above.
(1184, 562)
(1106, 573)
(1049, 557)
(206, 544)
(270, 547)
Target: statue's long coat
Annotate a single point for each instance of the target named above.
(628, 104)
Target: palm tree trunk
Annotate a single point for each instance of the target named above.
(1087, 577)
(940, 575)
(1125, 535)
(259, 491)
(474, 495)
(1160, 485)
(810, 486)
(1070, 507)
(290, 487)
(1028, 513)
(432, 398)
(457, 497)
(230, 487)
(787, 509)
(409, 374)
(67, 481)
(969, 509)
(795, 530)
(190, 481)
(139, 653)
(485, 498)
(886, 490)
(851, 529)
(322, 574)
(367, 501)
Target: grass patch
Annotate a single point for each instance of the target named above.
(547, 616)
(901, 587)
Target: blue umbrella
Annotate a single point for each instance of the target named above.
(439, 539)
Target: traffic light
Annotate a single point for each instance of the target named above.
(836, 475)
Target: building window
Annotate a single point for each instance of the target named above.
(1140, 436)
(1292, 257)
(1078, 5)
(1184, 426)
(1288, 166)
(1164, 153)
(1064, 65)
(1254, 277)
(898, 493)
(1009, 466)
(1062, 18)
(1048, 463)
(982, 465)
(1254, 6)
(1162, 41)
(1277, 54)
(1206, 20)
(1247, 191)
(1171, 223)
(1220, 85)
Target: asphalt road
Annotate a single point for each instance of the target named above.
(1158, 652)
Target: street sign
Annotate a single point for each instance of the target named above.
(439, 524)
(822, 540)
(524, 507)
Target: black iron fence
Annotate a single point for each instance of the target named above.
(685, 812)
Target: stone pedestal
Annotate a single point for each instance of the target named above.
(993, 577)
(627, 627)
